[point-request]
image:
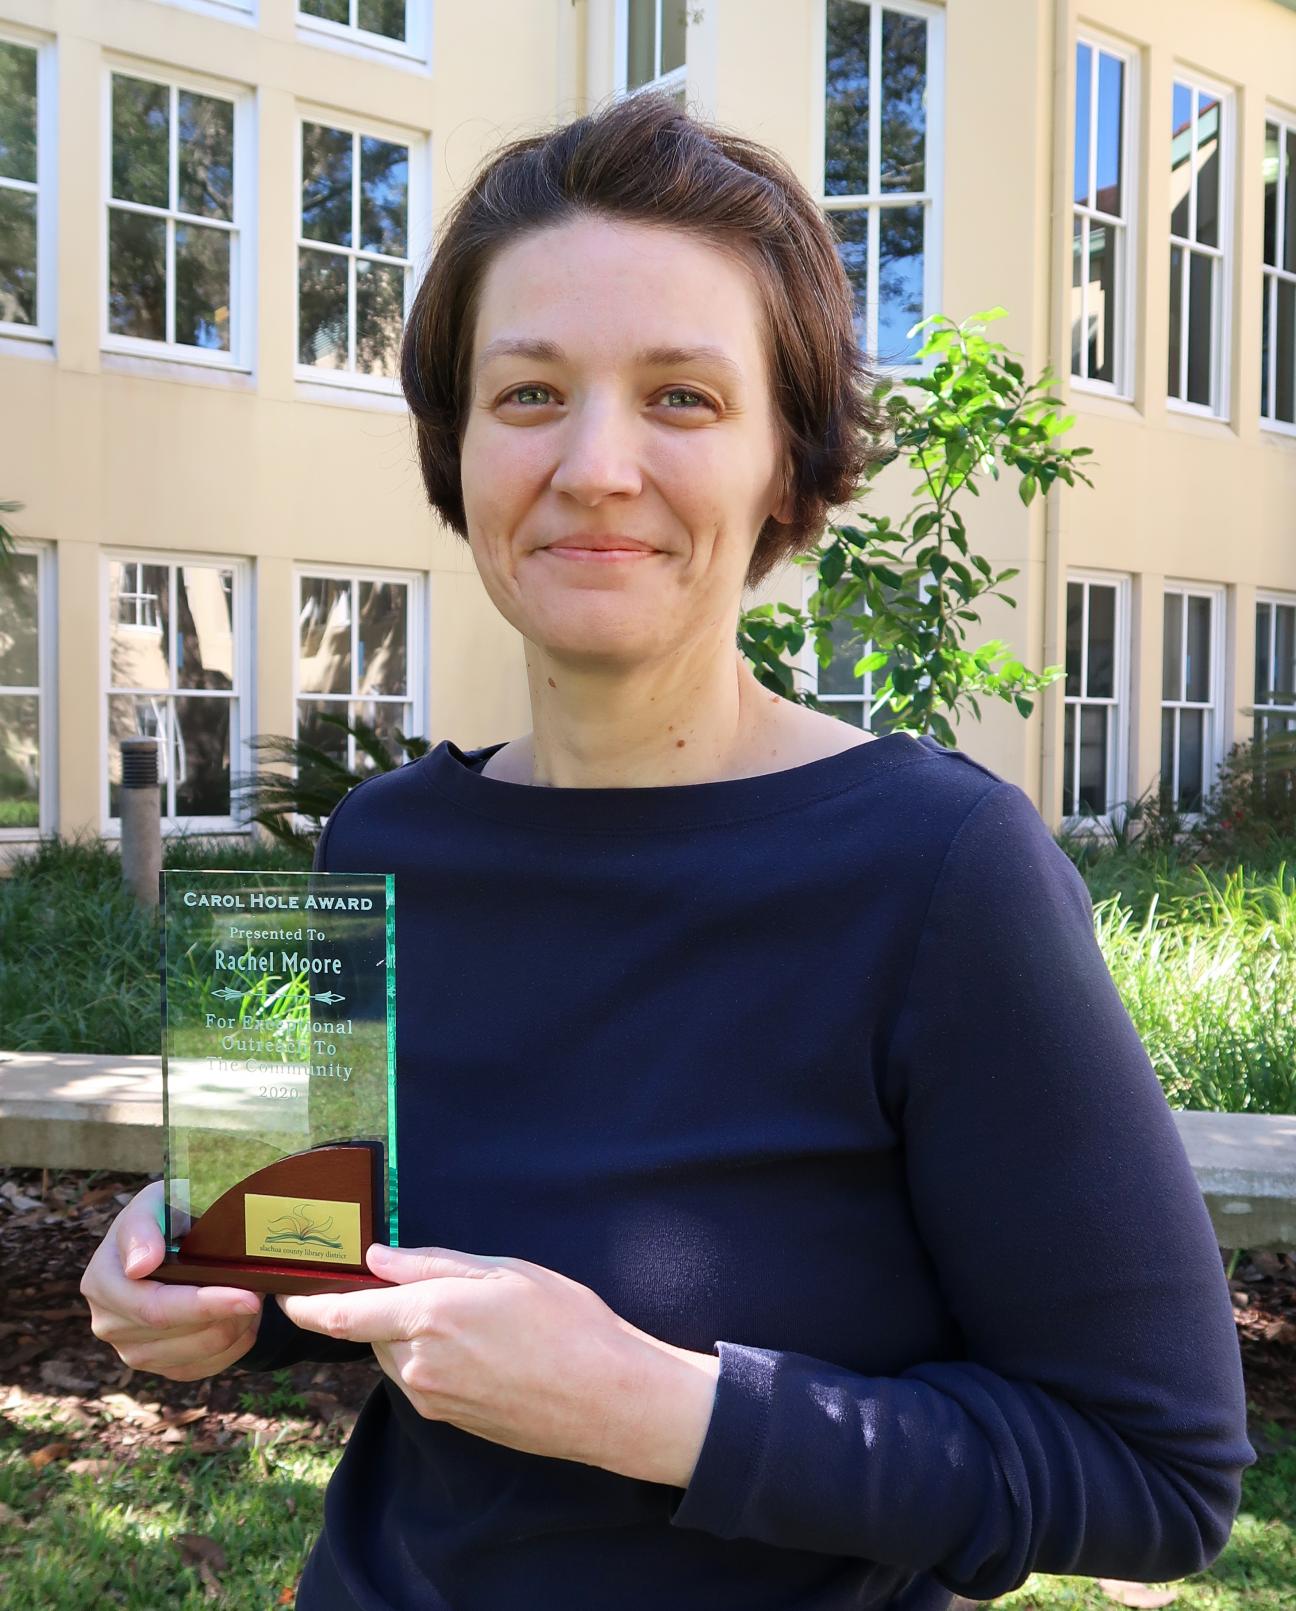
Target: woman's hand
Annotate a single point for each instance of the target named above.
(181, 1332)
(521, 1355)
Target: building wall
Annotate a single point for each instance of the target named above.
(125, 452)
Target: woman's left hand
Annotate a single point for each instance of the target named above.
(521, 1355)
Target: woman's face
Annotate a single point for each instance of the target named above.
(595, 413)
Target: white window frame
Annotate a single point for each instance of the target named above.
(413, 51)
(668, 83)
(1125, 247)
(1102, 823)
(1286, 122)
(807, 661)
(45, 691)
(417, 231)
(931, 198)
(1215, 736)
(16, 337)
(238, 11)
(241, 696)
(1222, 279)
(243, 245)
(415, 697)
(1271, 600)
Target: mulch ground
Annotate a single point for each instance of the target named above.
(51, 1222)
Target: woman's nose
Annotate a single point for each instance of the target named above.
(597, 455)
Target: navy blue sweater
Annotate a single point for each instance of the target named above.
(822, 1071)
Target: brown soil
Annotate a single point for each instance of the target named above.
(49, 1354)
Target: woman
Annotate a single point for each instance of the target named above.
(793, 1217)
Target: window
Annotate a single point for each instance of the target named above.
(1275, 666)
(175, 210)
(1200, 222)
(176, 635)
(1101, 250)
(24, 275)
(1191, 729)
(1278, 309)
(1094, 696)
(26, 710)
(880, 154)
(837, 689)
(353, 255)
(396, 27)
(356, 657)
(651, 46)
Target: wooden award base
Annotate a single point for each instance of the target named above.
(213, 1252)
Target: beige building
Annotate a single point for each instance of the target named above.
(212, 217)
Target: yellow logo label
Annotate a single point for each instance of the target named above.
(302, 1228)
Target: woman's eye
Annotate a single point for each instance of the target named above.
(519, 390)
(519, 394)
(683, 391)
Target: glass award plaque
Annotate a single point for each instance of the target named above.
(278, 1078)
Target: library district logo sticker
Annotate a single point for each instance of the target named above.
(296, 1228)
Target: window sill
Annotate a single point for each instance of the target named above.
(1110, 404)
(1278, 428)
(403, 57)
(179, 371)
(35, 345)
(1196, 417)
(348, 394)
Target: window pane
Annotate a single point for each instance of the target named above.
(1208, 154)
(19, 761)
(18, 256)
(136, 275)
(132, 717)
(329, 10)
(900, 282)
(204, 627)
(313, 728)
(140, 152)
(1284, 352)
(385, 17)
(380, 313)
(322, 309)
(326, 184)
(1102, 643)
(1285, 654)
(851, 230)
(1093, 758)
(1198, 668)
(846, 89)
(674, 20)
(904, 117)
(1272, 163)
(382, 633)
(324, 637)
(384, 719)
(1078, 227)
(1192, 758)
(1176, 319)
(1111, 94)
(1180, 158)
(1165, 787)
(1083, 91)
(1201, 278)
(1074, 626)
(1289, 217)
(205, 155)
(19, 661)
(641, 45)
(202, 293)
(202, 757)
(838, 676)
(1263, 628)
(384, 191)
(1171, 645)
(17, 111)
(138, 616)
(1266, 353)
(1102, 301)
(1068, 750)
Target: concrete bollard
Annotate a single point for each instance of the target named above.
(141, 824)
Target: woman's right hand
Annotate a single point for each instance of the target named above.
(182, 1332)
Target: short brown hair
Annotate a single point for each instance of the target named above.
(642, 160)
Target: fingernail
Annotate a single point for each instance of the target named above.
(247, 1306)
(138, 1255)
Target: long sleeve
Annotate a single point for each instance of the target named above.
(1097, 1421)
